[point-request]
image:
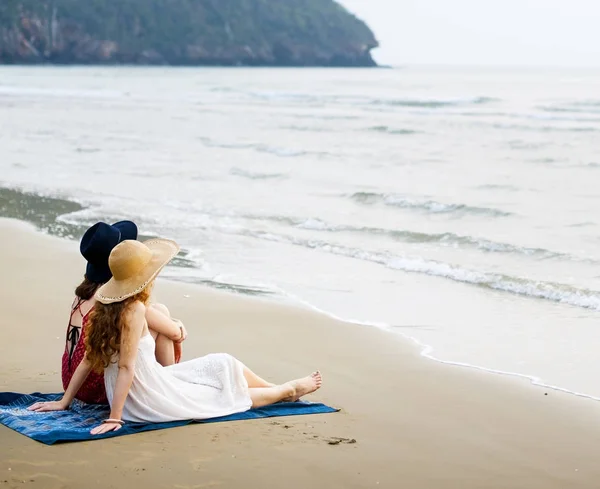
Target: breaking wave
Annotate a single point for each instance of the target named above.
(555, 292)
(391, 130)
(239, 172)
(424, 205)
(434, 103)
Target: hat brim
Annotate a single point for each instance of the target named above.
(163, 251)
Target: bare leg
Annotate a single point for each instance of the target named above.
(290, 391)
(254, 380)
(164, 351)
(263, 396)
(165, 347)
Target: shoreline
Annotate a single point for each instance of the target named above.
(426, 351)
(420, 422)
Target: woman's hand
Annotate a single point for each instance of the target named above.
(184, 332)
(42, 407)
(106, 427)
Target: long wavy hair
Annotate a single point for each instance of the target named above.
(86, 289)
(105, 324)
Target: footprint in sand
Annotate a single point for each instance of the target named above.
(338, 441)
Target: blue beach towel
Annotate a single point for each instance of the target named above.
(75, 424)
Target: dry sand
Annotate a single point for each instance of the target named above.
(417, 423)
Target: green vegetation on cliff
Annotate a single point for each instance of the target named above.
(184, 32)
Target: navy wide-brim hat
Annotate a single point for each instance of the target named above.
(97, 243)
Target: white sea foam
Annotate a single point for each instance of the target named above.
(562, 293)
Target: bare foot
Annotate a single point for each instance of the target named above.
(305, 386)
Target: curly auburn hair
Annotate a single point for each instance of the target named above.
(103, 333)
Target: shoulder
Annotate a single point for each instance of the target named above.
(135, 312)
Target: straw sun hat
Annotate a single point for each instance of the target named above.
(134, 265)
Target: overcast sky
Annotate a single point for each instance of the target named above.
(490, 32)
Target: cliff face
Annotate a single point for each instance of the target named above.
(184, 32)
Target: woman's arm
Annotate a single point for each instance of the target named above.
(160, 320)
(81, 373)
(133, 328)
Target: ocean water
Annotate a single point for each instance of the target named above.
(458, 207)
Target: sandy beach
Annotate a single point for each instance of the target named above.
(417, 423)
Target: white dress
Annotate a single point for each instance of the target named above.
(206, 387)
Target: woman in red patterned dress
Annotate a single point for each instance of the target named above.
(95, 246)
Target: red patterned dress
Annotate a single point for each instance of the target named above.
(92, 391)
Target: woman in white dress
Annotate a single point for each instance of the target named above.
(139, 388)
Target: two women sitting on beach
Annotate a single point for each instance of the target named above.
(95, 246)
(122, 341)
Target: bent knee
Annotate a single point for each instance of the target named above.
(162, 308)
